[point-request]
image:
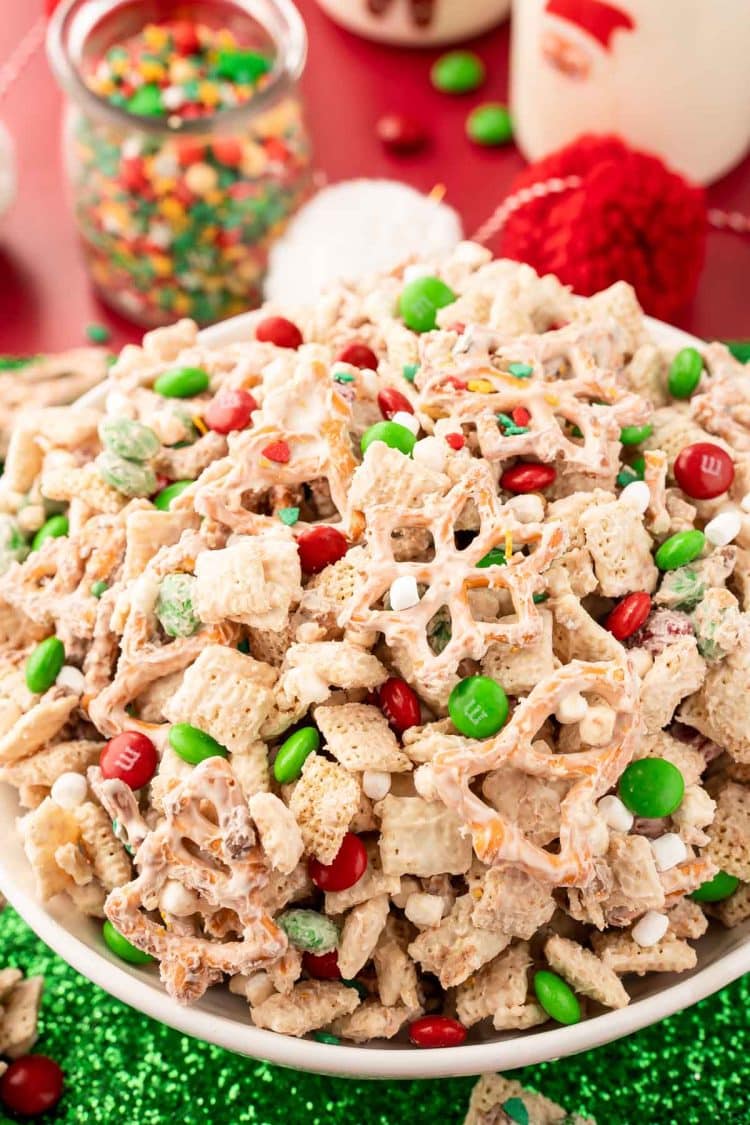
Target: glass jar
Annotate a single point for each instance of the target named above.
(177, 213)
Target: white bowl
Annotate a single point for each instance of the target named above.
(221, 1018)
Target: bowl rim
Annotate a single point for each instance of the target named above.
(140, 989)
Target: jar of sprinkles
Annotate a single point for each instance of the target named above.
(185, 147)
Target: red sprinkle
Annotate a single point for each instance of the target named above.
(319, 547)
(520, 415)
(703, 470)
(527, 477)
(401, 133)
(131, 757)
(229, 410)
(190, 151)
(358, 355)
(437, 1031)
(185, 36)
(456, 383)
(391, 401)
(227, 150)
(400, 704)
(279, 331)
(277, 451)
(456, 326)
(455, 441)
(276, 150)
(132, 173)
(346, 869)
(628, 616)
(322, 966)
(31, 1085)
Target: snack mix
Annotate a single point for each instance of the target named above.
(390, 664)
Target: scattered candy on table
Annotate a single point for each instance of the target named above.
(31, 1085)
(401, 133)
(490, 125)
(458, 72)
(178, 222)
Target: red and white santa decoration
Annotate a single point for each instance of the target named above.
(417, 23)
(667, 77)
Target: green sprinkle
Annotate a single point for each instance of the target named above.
(639, 464)
(539, 598)
(54, 528)
(343, 377)
(576, 431)
(326, 1037)
(194, 745)
(634, 435)
(99, 588)
(505, 420)
(129, 439)
(309, 931)
(16, 362)
(146, 101)
(494, 557)
(243, 67)
(289, 516)
(98, 333)
(510, 431)
(409, 371)
(516, 1110)
(174, 605)
(520, 370)
(490, 125)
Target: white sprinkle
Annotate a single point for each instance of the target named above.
(69, 790)
(669, 850)
(176, 899)
(173, 97)
(166, 165)
(424, 910)
(131, 147)
(404, 592)
(571, 708)
(722, 529)
(71, 678)
(637, 494)
(160, 234)
(745, 502)
(431, 453)
(615, 813)
(650, 929)
(117, 403)
(411, 273)
(376, 784)
(404, 418)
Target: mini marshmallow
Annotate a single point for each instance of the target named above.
(71, 678)
(404, 593)
(404, 418)
(571, 708)
(722, 529)
(597, 725)
(745, 502)
(176, 899)
(641, 659)
(431, 453)
(527, 507)
(173, 97)
(376, 784)
(650, 929)
(669, 850)
(637, 494)
(615, 814)
(416, 270)
(424, 910)
(69, 790)
(424, 782)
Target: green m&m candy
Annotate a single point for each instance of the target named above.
(420, 300)
(398, 437)
(98, 588)
(458, 72)
(122, 948)
(182, 382)
(194, 745)
(146, 101)
(494, 557)
(54, 528)
(715, 890)
(556, 997)
(490, 125)
(43, 665)
(634, 435)
(680, 549)
(293, 754)
(163, 500)
(652, 787)
(685, 372)
(478, 706)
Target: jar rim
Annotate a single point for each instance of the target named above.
(81, 17)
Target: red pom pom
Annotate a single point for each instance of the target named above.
(631, 219)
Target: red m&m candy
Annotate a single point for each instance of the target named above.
(401, 133)
(627, 617)
(31, 1085)
(703, 470)
(346, 869)
(455, 441)
(392, 401)
(322, 966)
(358, 355)
(131, 757)
(527, 477)
(520, 415)
(399, 704)
(319, 547)
(436, 1031)
(229, 410)
(279, 331)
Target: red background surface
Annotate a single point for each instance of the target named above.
(45, 301)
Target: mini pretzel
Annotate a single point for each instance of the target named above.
(312, 419)
(221, 862)
(479, 387)
(451, 575)
(592, 772)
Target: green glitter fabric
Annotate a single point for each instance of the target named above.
(124, 1069)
